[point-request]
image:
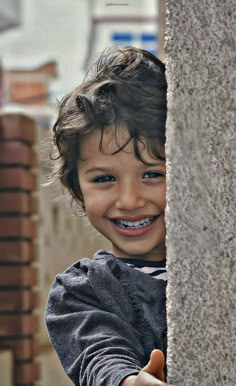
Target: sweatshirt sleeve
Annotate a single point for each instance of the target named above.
(92, 332)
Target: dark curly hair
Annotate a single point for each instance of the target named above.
(126, 86)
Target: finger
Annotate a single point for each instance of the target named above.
(156, 364)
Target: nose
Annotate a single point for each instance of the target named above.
(130, 196)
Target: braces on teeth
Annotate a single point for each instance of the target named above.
(134, 225)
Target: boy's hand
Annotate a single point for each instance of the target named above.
(151, 375)
(156, 365)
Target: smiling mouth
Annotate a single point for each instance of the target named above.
(135, 224)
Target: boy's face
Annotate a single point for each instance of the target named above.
(124, 198)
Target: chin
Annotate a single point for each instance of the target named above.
(155, 253)
(134, 254)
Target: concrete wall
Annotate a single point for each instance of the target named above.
(201, 221)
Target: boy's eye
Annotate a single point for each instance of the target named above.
(152, 174)
(103, 179)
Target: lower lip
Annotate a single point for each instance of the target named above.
(134, 232)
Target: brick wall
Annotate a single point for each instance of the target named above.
(18, 229)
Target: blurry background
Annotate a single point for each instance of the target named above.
(46, 47)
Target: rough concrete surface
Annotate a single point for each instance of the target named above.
(201, 192)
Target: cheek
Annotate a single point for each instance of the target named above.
(94, 202)
(95, 211)
(163, 194)
(164, 199)
(160, 196)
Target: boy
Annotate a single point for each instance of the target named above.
(106, 315)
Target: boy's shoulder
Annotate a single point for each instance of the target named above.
(103, 266)
(107, 274)
(103, 282)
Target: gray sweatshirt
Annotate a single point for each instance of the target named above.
(104, 318)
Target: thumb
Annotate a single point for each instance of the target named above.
(156, 364)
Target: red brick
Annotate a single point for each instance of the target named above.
(20, 300)
(17, 126)
(34, 158)
(17, 227)
(17, 178)
(30, 93)
(33, 204)
(15, 152)
(27, 373)
(13, 325)
(23, 348)
(17, 202)
(17, 276)
(17, 251)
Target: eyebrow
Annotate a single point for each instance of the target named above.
(96, 169)
(107, 170)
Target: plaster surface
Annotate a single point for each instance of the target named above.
(201, 192)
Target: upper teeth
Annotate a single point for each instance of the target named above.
(143, 222)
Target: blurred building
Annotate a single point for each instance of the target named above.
(73, 34)
(10, 12)
(133, 22)
(29, 87)
(28, 91)
(9, 18)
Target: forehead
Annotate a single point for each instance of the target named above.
(110, 142)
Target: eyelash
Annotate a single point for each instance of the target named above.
(104, 179)
(156, 174)
(109, 178)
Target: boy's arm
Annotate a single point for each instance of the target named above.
(95, 346)
(151, 375)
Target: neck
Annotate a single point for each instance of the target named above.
(157, 254)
